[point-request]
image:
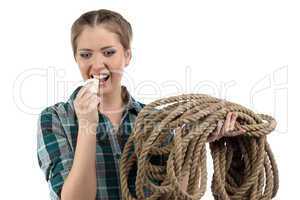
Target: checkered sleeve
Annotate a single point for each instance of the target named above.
(54, 154)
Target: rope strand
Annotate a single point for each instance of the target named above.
(244, 166)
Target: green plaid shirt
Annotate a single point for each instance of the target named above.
(56, 144)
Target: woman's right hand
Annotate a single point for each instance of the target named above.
(86, 106)
(227, 129)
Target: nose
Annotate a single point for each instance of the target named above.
(98, 64)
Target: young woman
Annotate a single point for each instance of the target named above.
(80, 141)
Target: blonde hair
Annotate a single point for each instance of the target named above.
(111, 20)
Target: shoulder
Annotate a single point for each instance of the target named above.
(136, 107)
(62, 111)
(142, 105)
(50, 119)
(55, 125)
(58, 110)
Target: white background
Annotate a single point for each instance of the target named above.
(244, 51)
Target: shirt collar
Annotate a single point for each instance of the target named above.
(130, 103)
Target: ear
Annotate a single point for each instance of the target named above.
(128, 56)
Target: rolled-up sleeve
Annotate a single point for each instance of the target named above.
(55, 156)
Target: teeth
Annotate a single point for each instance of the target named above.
(95, 76)
(101, 76)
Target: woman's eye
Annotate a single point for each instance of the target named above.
(109, 53)
(85, 55)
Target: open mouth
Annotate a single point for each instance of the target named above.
(102, 78)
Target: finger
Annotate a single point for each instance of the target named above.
(92, 103)
(222, 131)
(87, 95)
(219, 127)
(239, 127)
(227, 123)
(232, 121)
(213, 136)
(94, 100)
(85, 100)
(234, 133)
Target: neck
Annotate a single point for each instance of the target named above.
(111, 103)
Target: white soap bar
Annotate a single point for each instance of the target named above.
(94, 85)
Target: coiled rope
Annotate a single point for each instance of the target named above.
(244, 166)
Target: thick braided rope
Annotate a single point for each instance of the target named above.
(244, 166)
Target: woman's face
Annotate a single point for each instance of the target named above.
(100, 53)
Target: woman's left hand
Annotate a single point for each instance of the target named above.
(226, 129)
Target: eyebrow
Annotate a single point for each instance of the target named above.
(103, 48)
